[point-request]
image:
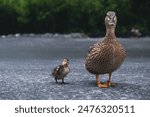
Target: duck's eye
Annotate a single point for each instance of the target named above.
(114, 18)
(108, 18)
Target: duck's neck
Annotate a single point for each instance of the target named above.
(110, 32)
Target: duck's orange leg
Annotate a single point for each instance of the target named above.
(109, 82)
(99, 84)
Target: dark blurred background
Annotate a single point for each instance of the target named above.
(67, 16)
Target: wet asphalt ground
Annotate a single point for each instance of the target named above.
(26, 64)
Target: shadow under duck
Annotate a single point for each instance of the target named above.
(61, 71)
(107, 56)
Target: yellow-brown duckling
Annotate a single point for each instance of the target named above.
(61, 71)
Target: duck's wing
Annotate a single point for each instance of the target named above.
(94, 46)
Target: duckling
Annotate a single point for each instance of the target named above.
(107, 56)
(61, 71)
(135, 32)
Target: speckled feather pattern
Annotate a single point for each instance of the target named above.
(105, 57)
(60, 72)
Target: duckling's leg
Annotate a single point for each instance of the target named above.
(62, 80)
(56, 80)
(99, 84)
(109, 82)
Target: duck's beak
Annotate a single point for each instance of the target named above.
(111, 23)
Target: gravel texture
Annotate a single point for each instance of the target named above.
(26, 64)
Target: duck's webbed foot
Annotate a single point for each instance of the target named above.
(111, 84)
(100, 84)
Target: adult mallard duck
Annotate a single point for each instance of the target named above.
(61, 71)
(107, 56)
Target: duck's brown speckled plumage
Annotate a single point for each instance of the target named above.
(106, 56)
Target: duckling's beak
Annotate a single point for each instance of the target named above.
(65, 63)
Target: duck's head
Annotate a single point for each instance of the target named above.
(111, 19)
(65, 62)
